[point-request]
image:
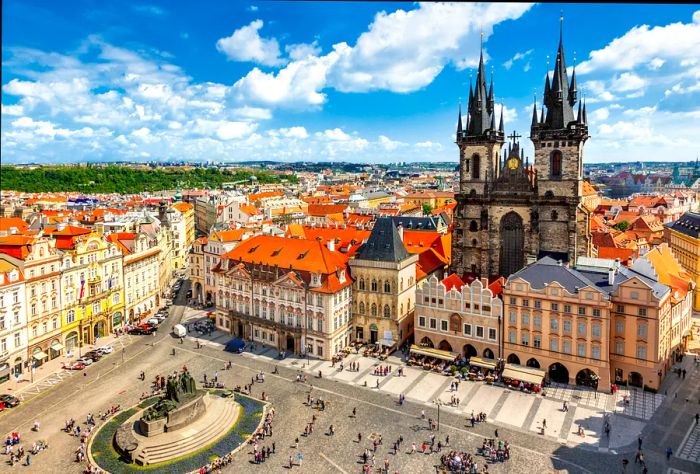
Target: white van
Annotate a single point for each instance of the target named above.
(179, 330)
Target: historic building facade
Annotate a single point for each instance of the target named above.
(458, 317)
(13, 322)
(509, 212)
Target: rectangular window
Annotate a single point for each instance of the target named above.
(433, 323)
(18, 339)
(581, 326)
(538, 304)
(525, 339)
(595, 330)
(479, 331)
(554, 324)
(513, 317)
(538, 321)
(526, 303)
(642, 311)
(319, 325)
(567, 308)
(537, 342)
(642, 330)
(620, 308)
(581, 349)
(512, 337)
(467, 329)
(513, 300)
(554, 345)
(567, 326)
(619, 326)
(492, 334)
(596, 312)
(555, 306)
(525, 319)
(421, 321)
(634, 295)
(619, 347)
(595, 352)
(566, 347)
(443, 325)
(582, 310)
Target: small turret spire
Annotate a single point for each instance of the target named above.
(500, 125)
(534, 112)
(459, 122)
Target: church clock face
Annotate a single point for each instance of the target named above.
(513, 163)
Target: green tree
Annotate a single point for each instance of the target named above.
(622, 226)
(427, 208)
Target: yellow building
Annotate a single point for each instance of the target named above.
(187, 211)
(93, 290)
(683, 236)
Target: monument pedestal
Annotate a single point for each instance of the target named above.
(177, 418)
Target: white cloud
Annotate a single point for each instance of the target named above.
(291, 132)
(642, 45)
(627, 81)
(388, 144)
(401, 51)
(12, 109)
(510, 115)
(599, 115)
(141, 132)
(231, 130)
(252, 8)
(300, 51)
(335, 134)
(518, 56)
(245, 44)
(255, 113)
(429, 145)
(656, 63)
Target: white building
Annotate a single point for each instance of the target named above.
(13, 322)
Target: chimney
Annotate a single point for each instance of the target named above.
(400, 229)
(13, 230)
(61, 226)
(611, 276)
(331, 245)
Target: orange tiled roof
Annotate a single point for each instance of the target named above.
(183, 207)
(453, 281)
(319, 210)
(7, 222)
(258, 196)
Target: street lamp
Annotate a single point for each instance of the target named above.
(438, 402)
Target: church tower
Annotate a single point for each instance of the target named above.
(479, 143)
(558, 138)
(511, 212)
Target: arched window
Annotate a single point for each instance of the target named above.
(374, 309)
(474, 243)
(362, 308)
(549, 194)
(476, 162)
(374, 285)
(362, 283)
(473, 226)
(401, 287)
(387, 311)
(555, 163)
(555, 216)
(401, 310)
(387, 287)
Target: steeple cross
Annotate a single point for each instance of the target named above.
(514, 136)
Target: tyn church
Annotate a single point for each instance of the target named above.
(510, 212)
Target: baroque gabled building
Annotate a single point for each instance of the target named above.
(511, 212)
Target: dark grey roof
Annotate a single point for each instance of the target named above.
(417, 223)
(688, 224)
(384, 243)
(547, 270)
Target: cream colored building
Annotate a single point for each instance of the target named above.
(13, 322)
(384, 287)
(458, 317)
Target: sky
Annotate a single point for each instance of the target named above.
(89, 81)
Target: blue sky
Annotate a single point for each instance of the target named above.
(336, 81)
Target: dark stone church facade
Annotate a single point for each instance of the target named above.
(510, 212)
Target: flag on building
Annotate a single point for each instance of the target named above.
(82, 289)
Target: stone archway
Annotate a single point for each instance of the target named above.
(469, 351)
(636, 379)
(445, 346)
(427, 342)
(513, 359)
(532, 362)
(290, 343)
(558, 373)
(98, 330)
(587, 378)
(512, 244)
(488, 354)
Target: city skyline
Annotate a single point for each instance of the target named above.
(290, 81)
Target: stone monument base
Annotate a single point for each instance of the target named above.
(217, 416)
(177, 418)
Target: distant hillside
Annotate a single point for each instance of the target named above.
(125, 180)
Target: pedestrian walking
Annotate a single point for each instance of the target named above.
(669, 452)
(299, 458)
(496, 433)
(422, 414)
(413, 448)
(354, 412)
(544, 423)
(291, 461)
(639, 443)
(697, 418)
(359, 438)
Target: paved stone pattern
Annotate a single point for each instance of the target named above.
(690, 450)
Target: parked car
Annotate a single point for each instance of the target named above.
(8, 400)
(94, 355)
(85, 360)
(74, 366)
(153, 322)
(159, 317)
(143, 329)
(105, 350)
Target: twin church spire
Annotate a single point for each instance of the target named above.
(559, 98)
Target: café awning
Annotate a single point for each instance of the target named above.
(483, 363)
(437, 353)
(41, 355)
(523, 374)
(57, 346)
